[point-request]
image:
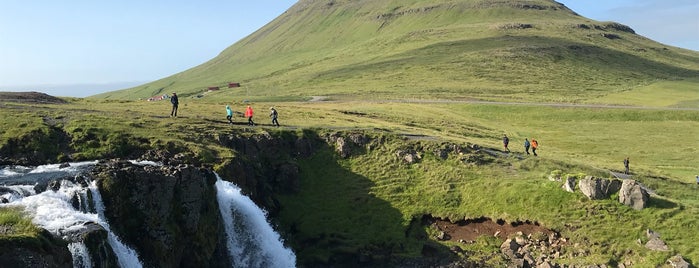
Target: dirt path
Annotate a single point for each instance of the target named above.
(569, 105)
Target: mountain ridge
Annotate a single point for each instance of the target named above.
(458, 48)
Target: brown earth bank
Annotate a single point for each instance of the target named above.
(29, 97)
(469, 230)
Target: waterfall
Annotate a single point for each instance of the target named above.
(81, 258)
(127, 256)
(251, 240)
(53, 210)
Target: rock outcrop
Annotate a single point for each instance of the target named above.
(168, 214)
(42, 251)
(633, 194)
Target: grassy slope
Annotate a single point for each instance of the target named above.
(338, 192)
(433, 49)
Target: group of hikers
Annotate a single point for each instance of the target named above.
(249, 113)
(229, 112)
(533, 144)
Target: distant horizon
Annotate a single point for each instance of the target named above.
(78, 90)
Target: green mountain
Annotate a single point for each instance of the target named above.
(529, 50)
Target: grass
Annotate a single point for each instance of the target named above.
(384, 195)
(18, 225)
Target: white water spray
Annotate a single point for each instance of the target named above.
(53, 211)
(127, 256)
(251, 242)
(81, 257)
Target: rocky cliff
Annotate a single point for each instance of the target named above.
(168, 214)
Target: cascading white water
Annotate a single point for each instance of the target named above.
(127, 256)
(54, 212)
(251, 240)
(81, 258)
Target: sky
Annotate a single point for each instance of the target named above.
(79, 48)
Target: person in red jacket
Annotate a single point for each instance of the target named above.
(535, 144)
(248, 114)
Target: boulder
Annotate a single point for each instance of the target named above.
(598, 188)
(569, 184)
(633, 194)
(510, 248)
(654, 241)
(678, 261)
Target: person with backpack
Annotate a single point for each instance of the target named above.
(248, 114)
(535, 145)
(175, 102)
(229, 114)
(274, 114)
(505, 142)
(526, 145)
(626, 165)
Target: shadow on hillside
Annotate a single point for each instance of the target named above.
(334, 220)
(657, 202)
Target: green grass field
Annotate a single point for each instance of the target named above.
(590, 140)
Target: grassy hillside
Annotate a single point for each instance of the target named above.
(526, 51)
(385, 195)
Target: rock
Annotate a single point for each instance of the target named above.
(170, 214)
(654, 242)
(569, 184)
(510, 248)
(597, 188)
(633, 194)
(678, 261)
(544, 264)
(443, 236)
(54, 185)
(342, 147)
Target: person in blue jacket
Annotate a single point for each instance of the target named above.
(229, 114)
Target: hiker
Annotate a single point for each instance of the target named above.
(526, 145)
(535, 144)
(274, 115)
(229, 114)
(175, 102)
(248, 114)
(697, 179)
(626, 165)
(505, 142)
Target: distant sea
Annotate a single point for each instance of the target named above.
(73, 90)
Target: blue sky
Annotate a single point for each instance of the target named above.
(84, 47)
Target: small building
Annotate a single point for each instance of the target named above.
(158, 98)
(230, 85)
(213, 88)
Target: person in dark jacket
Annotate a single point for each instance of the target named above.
(526, 145)
(273, 114)
(505, 142)
(626, 165)
(175, 102)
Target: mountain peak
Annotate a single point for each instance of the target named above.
(482, 49)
